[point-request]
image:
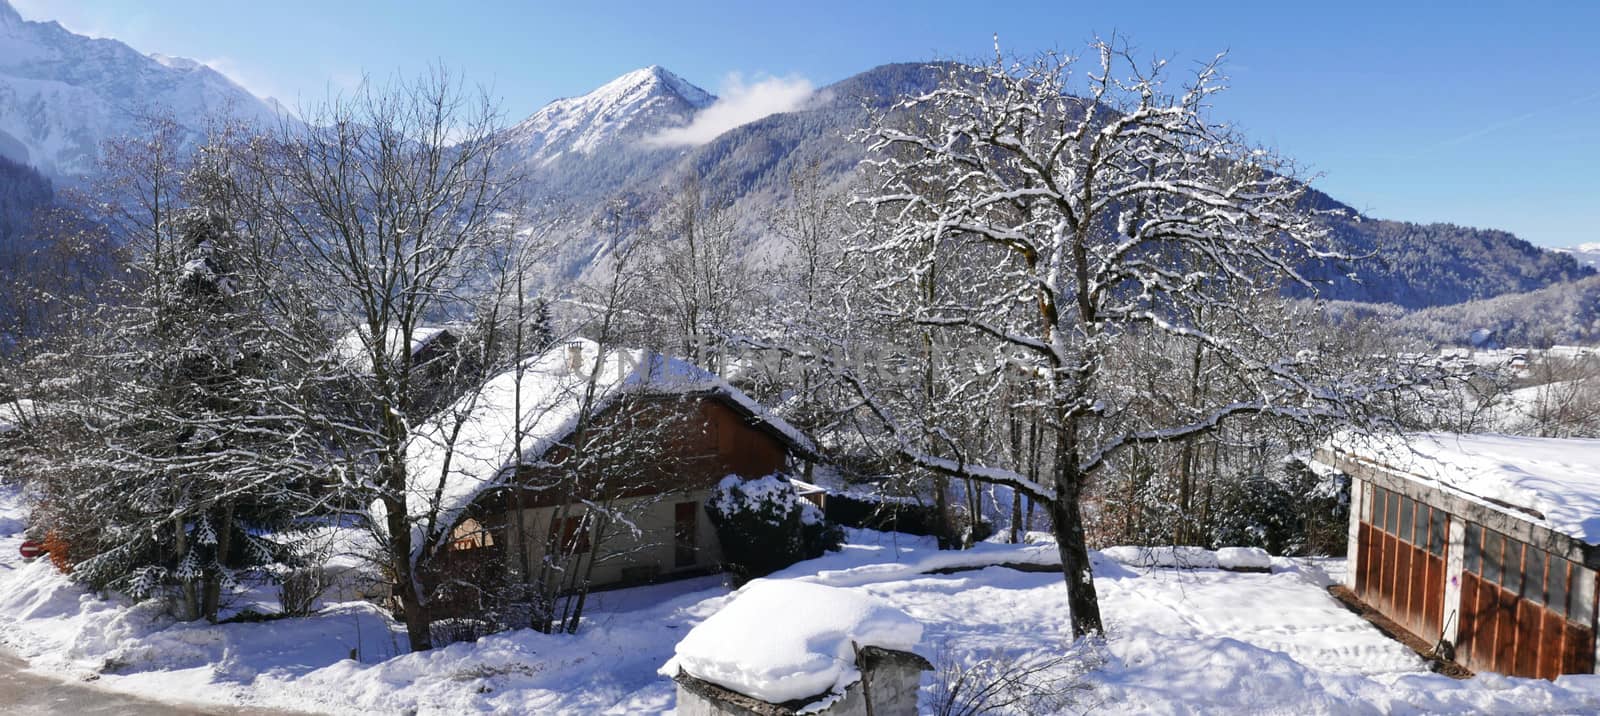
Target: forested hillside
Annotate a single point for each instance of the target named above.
(748, 169)
(1420, 265)
(1562, 314)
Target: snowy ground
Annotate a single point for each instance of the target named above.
(1180, 641)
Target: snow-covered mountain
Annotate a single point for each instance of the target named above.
(628, 108)
(581, 148)
(594, 147)
(62, 94)
(1586, 254)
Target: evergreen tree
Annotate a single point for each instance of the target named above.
(182, 472)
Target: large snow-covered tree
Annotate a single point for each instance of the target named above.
(388, 210)
(173, 474)
(1037, 232)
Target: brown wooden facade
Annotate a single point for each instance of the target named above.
(677, 448)
(1400, 565)
(673, 443)
(1503, 593)
(1519, 613)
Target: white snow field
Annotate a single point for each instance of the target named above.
(1179, 641)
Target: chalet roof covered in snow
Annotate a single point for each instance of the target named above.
(473, 444)
(1551, 482)
(352, 352)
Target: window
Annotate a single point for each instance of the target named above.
(574, 535)
(1492, 559)
(1391, 513)
(1555, 586)
(1473, 561)
(1580, 593)
(1407, 506)
(1511, 576)
(471, 534)
(1437, 525)
(1533, 569)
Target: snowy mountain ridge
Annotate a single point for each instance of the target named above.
(1586, 254)
(626, 108)
(63, 94)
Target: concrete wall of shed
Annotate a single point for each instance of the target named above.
(1353, 535)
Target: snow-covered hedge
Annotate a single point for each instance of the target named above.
(764, 526)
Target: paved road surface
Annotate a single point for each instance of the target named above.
(27, 694)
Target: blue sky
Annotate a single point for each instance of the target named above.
(1487, 115)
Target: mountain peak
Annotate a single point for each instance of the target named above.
(66, 93)
(625, 109)
(652, 79)
(175, 63)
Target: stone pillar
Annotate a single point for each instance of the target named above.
(1358, 507)
(1454, 559)
(891, 680)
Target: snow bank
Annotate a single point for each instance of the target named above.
(1179, 557)
(1244, 558)
(782, 641)
(1552, 477)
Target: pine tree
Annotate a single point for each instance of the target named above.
(182, 470)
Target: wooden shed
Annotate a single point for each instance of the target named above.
(1482, 544)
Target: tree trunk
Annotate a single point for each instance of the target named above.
(941, 504)
(211, 596)
(412, 608)
(1067, 521)
(188, 603)
(1016, 516)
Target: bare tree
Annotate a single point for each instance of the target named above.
(700, 283)
(390, 204)
(1562, 398)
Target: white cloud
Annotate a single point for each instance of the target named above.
(738, 104)
(233, 70)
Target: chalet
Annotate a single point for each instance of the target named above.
(438, 361)
(1483, 544)
(648, 436)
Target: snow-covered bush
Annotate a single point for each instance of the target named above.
(998, 681)
(764, 526)
(1295, 512)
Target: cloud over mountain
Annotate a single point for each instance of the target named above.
(738, 104)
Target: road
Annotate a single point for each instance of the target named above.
(26, 694)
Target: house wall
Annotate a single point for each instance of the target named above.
(677, 450)
(620, 555)
(671, 443)
(1508, 595)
